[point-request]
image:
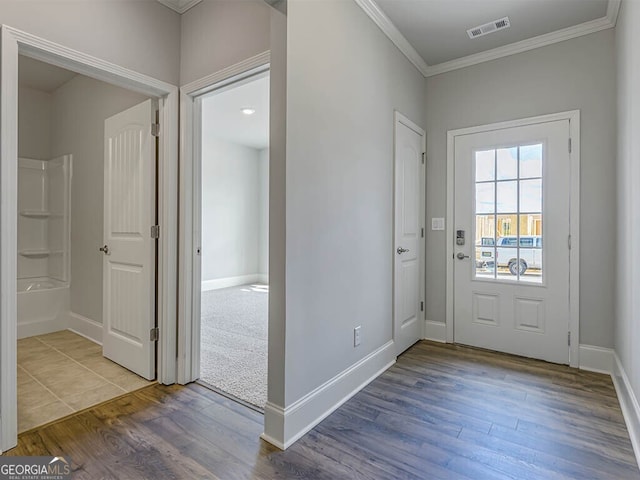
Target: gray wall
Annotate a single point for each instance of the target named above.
(627, 234)
(79, 110)
(576, 74)
(231, 209)
(220, 33)
(344, 81)
(142, 35)
(34, 124)
(263, 205)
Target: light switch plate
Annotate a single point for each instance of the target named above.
(437, 223)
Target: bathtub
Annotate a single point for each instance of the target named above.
(43, 306)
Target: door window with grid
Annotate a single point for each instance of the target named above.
(508, 213)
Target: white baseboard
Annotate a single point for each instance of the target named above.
(628, 403)
(230, 282)
(263, 278)
(85, 327)
(436, 331)
(41, 327)
(283, 426)
(596, 359)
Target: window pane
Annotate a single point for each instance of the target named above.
(507, 197)
(485, 262)
(507, 163)
(506, 226)
(530, 266)
(506, 258)
(530, 195)
(531, 224)
(485, 197)
(485, 165)
(485, 241)
(531, 161)
(485, 230)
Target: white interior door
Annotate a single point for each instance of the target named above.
(129, 265)
(512, 245)
(408, 264)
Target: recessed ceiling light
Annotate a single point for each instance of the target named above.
(248, 110)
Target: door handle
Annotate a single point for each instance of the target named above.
(462, 256)
(105, 250)
(401, 250)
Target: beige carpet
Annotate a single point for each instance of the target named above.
(233, 355)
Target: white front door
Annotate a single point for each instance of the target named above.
(511, 265)
(408, 268)
(129, 266)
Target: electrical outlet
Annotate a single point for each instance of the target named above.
(356, 336)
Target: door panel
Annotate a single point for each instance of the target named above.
(129, 260)
(409, 173)
(511, 275)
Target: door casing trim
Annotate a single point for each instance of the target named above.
(573, 117)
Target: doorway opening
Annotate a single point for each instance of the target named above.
(234, 290)
(80, 151)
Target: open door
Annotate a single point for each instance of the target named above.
(129, 265)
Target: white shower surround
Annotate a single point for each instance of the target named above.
(44, 199)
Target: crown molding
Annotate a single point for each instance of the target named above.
(389, 29)
(613, 8)
(179, 6)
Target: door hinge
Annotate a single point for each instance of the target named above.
(569, 144)
(423, 157)
(569, 242)
(154, 334)
(422, 306)
(155, 129)
(422, 232)
(569, 338)
(155, 231)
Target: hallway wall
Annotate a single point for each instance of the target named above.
(627, 231)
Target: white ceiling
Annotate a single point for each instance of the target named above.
(222, 117)
(433, 33)
(41, 76)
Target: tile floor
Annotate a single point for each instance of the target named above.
(61, 373)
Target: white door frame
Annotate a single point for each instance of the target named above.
(191, 209)
(13, 43)
(399, 118)
(574, 228)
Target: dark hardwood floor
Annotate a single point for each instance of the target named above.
(442, 412)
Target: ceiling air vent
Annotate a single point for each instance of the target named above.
(490, 27)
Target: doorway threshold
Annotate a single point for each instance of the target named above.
(242, 402)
